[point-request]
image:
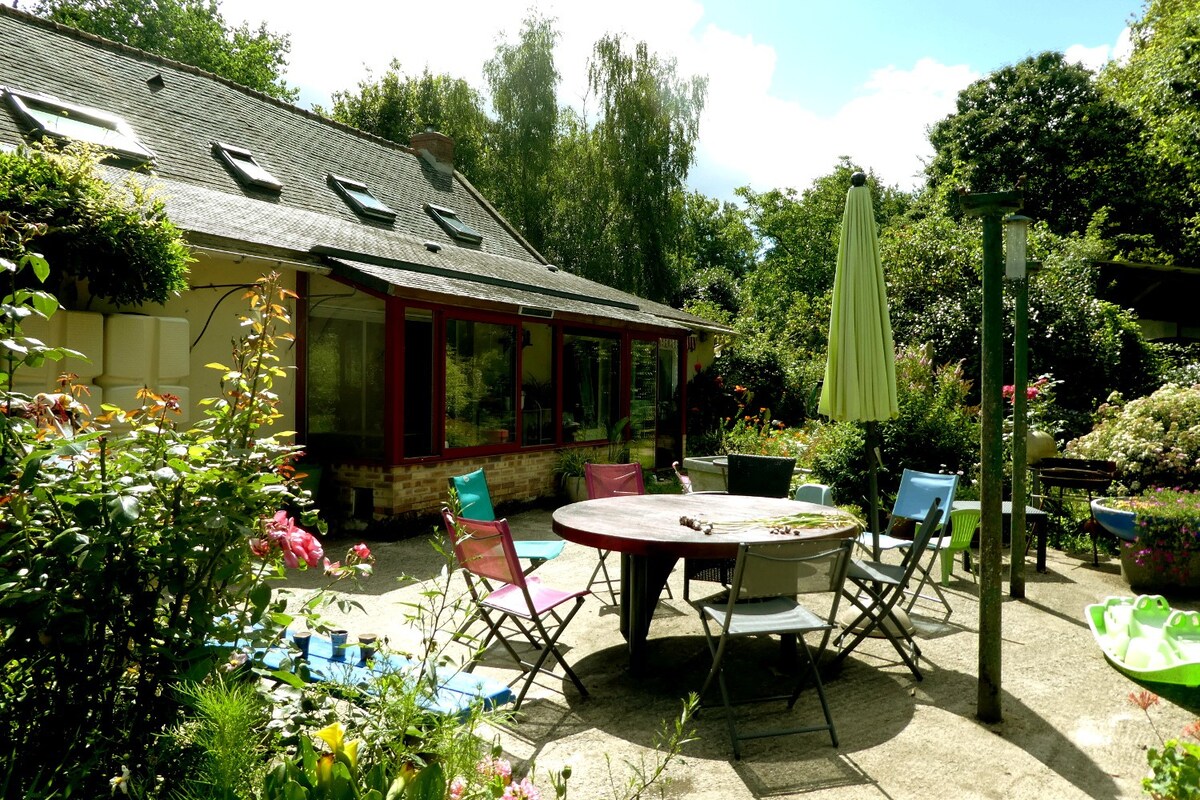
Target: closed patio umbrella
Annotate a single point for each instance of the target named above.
(860, 369)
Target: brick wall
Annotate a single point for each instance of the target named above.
(421, 488)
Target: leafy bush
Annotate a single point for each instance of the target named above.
(937, 430)
(124, 553)
(117, 238)
(1154, 440)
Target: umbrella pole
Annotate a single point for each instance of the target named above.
(873, 486)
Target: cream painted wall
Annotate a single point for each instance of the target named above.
(210, 339)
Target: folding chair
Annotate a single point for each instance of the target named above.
(884, 586)
(749, 475)
(762, 600)
(917, 490)
(475, 502)
(610, 480)
(485, 552)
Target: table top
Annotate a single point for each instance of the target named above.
(649, 524)
(1005, 507)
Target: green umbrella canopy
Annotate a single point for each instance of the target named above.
(860, 370)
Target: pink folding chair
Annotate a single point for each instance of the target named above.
(503, 594)
(610, 480)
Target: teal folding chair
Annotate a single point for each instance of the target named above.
(475, 502)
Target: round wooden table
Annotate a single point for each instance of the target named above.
(646, 531)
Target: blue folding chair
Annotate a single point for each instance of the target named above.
(917, 492)
(475, 502)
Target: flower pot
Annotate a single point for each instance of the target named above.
(1117, 521)
(1167, 574)
(366, 645)
(576, 489)
(301, 641)
(706, 475)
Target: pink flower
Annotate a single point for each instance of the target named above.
(260, 547)
(525, 790)
(362, 551)
(296, 543)
(457, 787)
(332, 567)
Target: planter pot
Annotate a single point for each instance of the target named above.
(706, 476)
(576, 489)
(1178, 577)
(708, 473)
(1117, 521)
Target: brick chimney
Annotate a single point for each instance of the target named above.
(436, 148)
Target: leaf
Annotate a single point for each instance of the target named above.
(30, 474)
(41, 267)
(290, 678)
(260, 596)
(125, 510)
(46, 304)
(429, 784)
(215, 365)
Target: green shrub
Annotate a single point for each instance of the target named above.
(1154, 440)
(117, 238)
(937, 430)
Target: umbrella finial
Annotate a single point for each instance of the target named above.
(858, 179)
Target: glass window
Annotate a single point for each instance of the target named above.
(418, 378)
(454, 226)
(346, 345)
(60, 120)
(481, 368)
(591, 384)
(245, 168)
(359, 197)
(537, 384)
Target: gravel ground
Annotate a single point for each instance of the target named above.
(1069, 729)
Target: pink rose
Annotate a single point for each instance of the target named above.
(362, 551)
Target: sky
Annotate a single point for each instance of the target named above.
(792, 84)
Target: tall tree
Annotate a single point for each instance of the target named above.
(649, 122)
(397, 106)
(523, 82)
(1043, 124)
(1160, 85)
(191, 31)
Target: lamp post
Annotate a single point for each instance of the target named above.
(991, 207)
(1016, 228)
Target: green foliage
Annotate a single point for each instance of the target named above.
(336, 775)
(523, 81)
(397, 106)
(937, 430)
(1175, 771)
(1159, 84)
(225, 729)
(117, 238)
(649, 122)
(191, 31)
(126, 551)
(1042, 124)
(1154, 440)
(714, 236)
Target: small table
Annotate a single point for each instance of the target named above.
(645, 530)
(1035, 520)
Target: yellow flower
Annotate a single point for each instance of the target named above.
(333, 735)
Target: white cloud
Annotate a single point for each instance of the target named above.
(1094, 58)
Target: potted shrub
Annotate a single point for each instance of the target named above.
(1164, 554)
(568, 470)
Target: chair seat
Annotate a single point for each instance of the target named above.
(776, 615)
(875, 571)
(510, 600)
(538, 549)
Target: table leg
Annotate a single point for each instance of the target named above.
(642, 581)
(1041, 546)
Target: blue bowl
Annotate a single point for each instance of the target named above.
(1121, 523)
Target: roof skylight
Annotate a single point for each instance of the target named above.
(454, 226)
(360, 198)
(67, 121)
(245, 168)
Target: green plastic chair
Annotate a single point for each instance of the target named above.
(963, 523)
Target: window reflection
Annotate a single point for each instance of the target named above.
(537, 385)
(480, 383)
(346, 344)
(591, 377)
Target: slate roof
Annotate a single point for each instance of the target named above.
(178, 111)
